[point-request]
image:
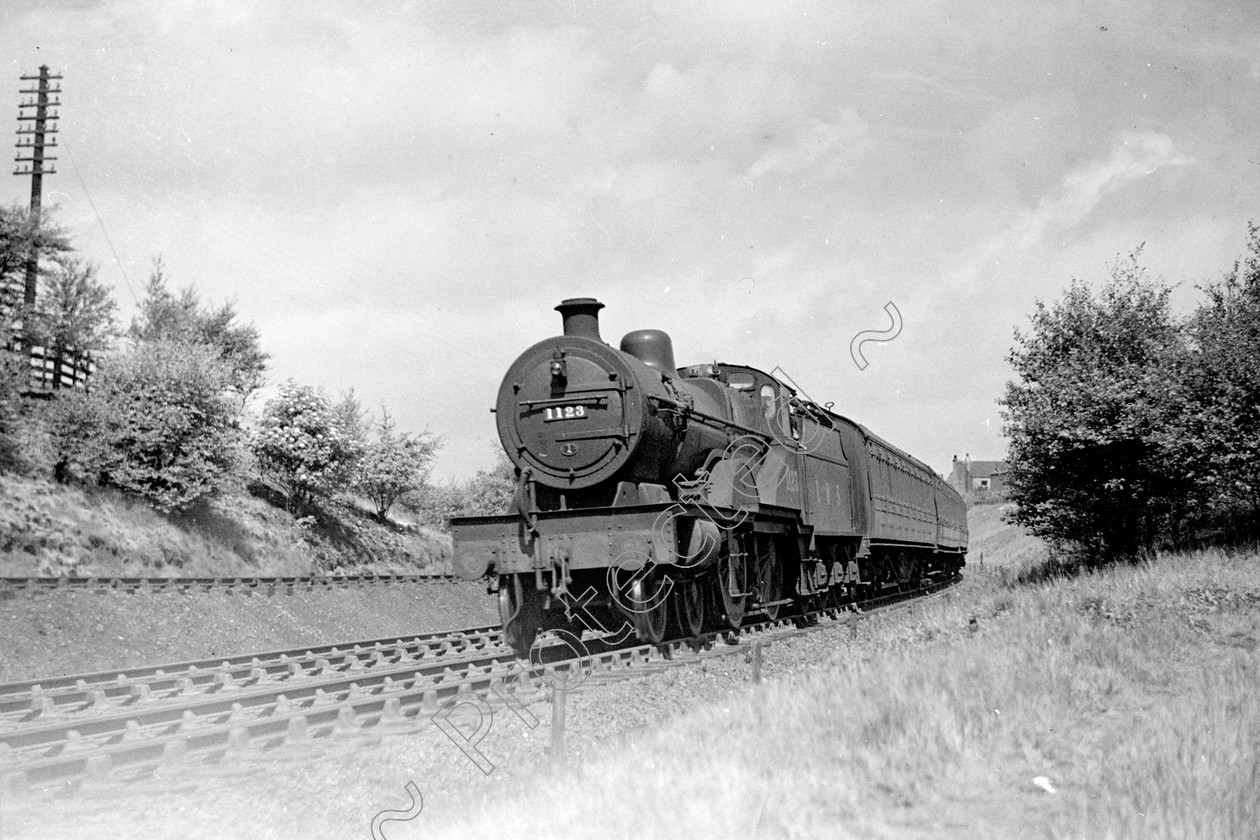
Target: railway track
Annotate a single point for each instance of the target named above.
(22, 703)
(119, 728)
(126, 722)
(11, 587)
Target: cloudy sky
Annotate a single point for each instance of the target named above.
(398, 193)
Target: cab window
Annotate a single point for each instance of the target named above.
(767, 404)
(775, 411)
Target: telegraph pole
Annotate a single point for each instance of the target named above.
(33, 139)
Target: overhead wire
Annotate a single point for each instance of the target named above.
(250, 257)
(79, 176)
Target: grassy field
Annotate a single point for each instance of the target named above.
(1116, 705)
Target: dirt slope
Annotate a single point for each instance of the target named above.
(53, 530)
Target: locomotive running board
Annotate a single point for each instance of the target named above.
(587, 538)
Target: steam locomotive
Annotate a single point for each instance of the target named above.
(675, 501)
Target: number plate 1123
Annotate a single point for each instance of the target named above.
(564, 412)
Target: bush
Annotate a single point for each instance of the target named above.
(12, 377)
(302, 444)
(394, 464)
(157, 423)
(1217, 424)
(1096, 389)
(986, 496)
(78, 431)
(488, 493)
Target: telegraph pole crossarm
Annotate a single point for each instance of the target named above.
(39, 139)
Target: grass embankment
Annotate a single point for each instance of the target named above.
(1118, 704)
(993, 543)
(52, 530)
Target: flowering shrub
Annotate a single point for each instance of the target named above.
(394, 464)
(303, 445)
(156, 424)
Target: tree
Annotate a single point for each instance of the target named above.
(67, 306)
(156, 424)
(74, 310)
(1095, 382)
(168, 316)
(394, 464)
(19, 233)
(1218, 421)
(354, 419)
(303, 445)
(490, 492)
(487, 493)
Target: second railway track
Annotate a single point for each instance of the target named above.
(22, 703)
(212, 710)
(12, 587)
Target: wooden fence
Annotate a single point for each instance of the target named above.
(50, 368)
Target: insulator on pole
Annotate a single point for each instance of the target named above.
(39, 163)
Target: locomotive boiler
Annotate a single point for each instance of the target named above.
(673, 501)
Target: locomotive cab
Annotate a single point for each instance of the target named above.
(759, 401)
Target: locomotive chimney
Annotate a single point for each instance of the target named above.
(581, 317)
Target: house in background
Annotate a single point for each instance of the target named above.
(970, 476)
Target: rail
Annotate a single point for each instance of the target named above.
(12, 586)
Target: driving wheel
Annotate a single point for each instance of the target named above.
(692, 600)
(649, 595)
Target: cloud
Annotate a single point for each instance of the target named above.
(1134, 155)
(21, 7)
(399, 193)
(816, 142)
(963, 92)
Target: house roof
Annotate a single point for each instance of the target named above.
(986, 469)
